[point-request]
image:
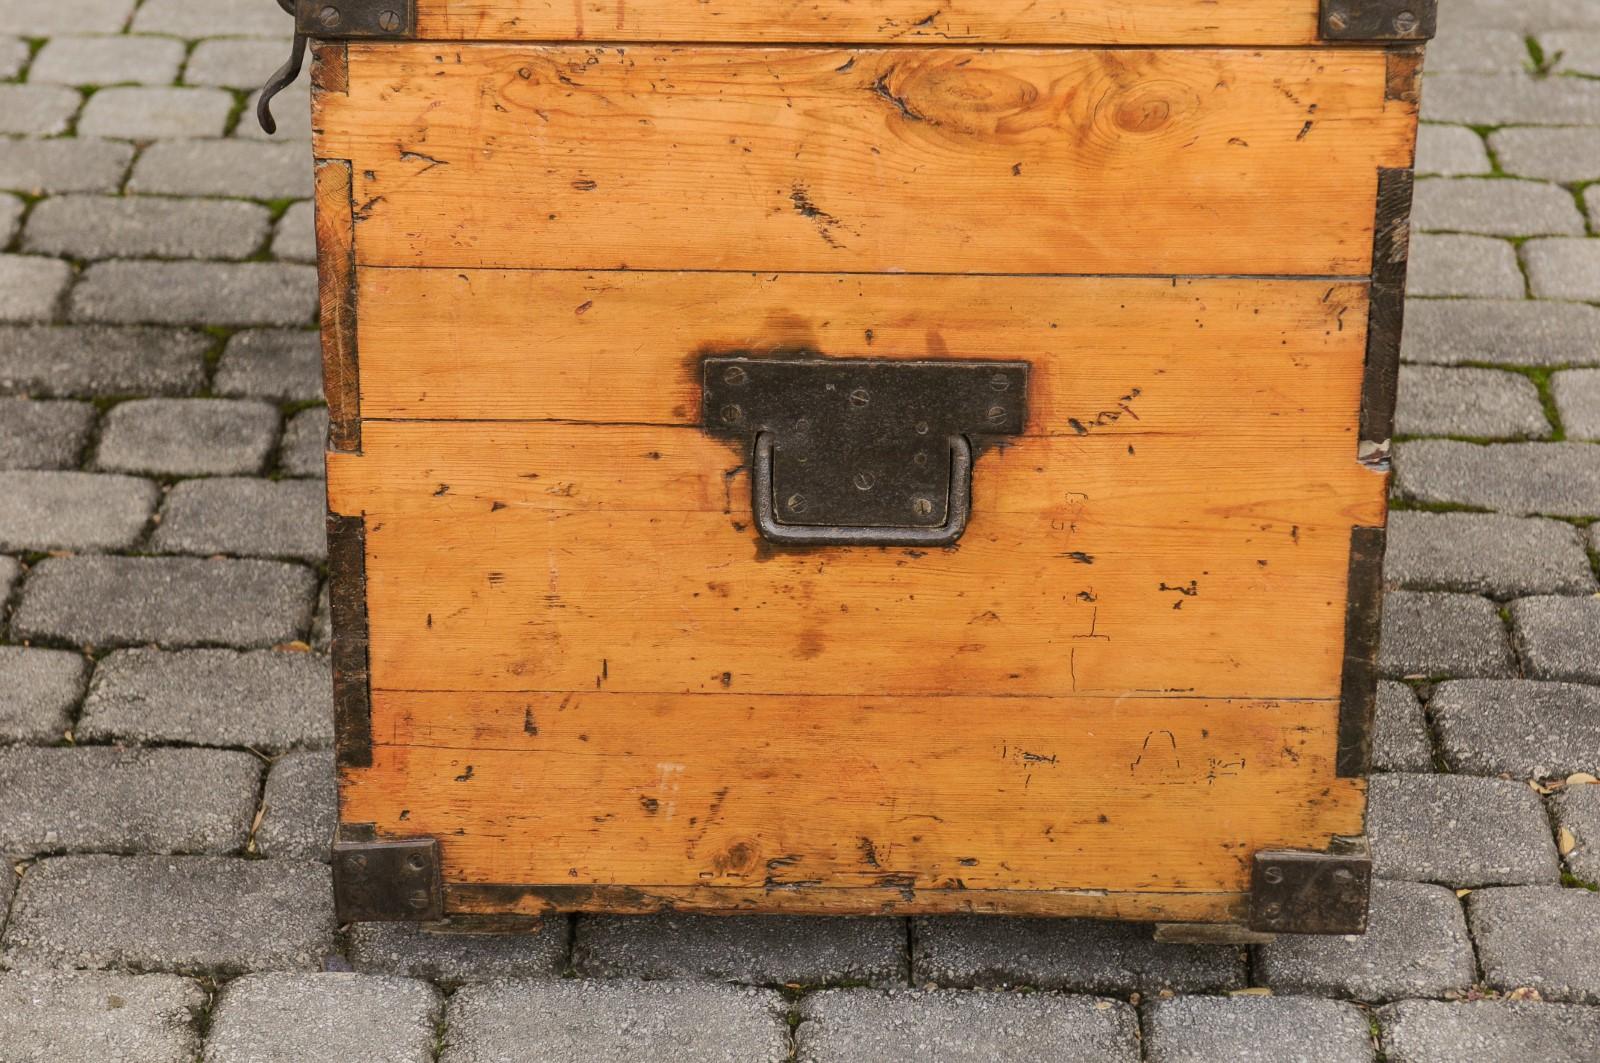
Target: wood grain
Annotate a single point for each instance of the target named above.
(1179, 22)
(336, 292)
(537, 345)
(947, 160)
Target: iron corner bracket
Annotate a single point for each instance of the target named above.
(1294, 891)
(356, 19)
(1378, 20)
(385, 880)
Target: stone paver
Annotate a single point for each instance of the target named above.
(1573, 51)
(182, 293)
(1553, 479)
(96, 1017)
(1452, 331)
(1558, 637)
(443, 955)
(287, 1017)
(94, 360)
(1450, 150)
(77, 511)
(64, 165)
(1070, 954)
(13, 56)
(867, 1026)
(1486, 553)
(11, 208)
(1541, 937)
(41, 690)
(615, 1022)
(757, 950)
(1255, 1030)
(1549, 154)
(33, 19)
(107, 60)
(126, 800)
(280, 364)
(1430, 633)
(43, 435)
(1459, 831)
(1517, 727)
(1576, 811)
(1494, 207)
(304, 440)
(1577, 397)
(296, 237)
(45, 109)
(244, 517)
(1457, 265)
(1563, 268)
(1486, 403)
(133, 226)
(1400, 740)
(218, 18)
(1509, 99)
(266, 700)
(1416, 945)
(151, 113)
(299, 808)
(1476, 51)
(234, 63)
(1431, 1031)
(188, 437)
(31, 287)
(119, 601)
(210, 915)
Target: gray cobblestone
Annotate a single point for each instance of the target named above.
(322, 623)
(73, 511)
(1591, 206)
(436, 953)
(177, 293)
(284, 365)
(10, 573)
(1477, 51)
(1416, 945)
(42, 688)
(286, 1017)
(43, 435)
(867, 1026)
(761, 950)
(615, 1022)
(63, 165)
(300, 808)
(1518, 14)
(1563, 269)
(10, 216)
(223, 168)
(234, 63)
(1576, 811)
(1429, 1031)
(1544, 938)
(1255, 1030)
(211, 915)
(1495, 207)
(29, 18)
(126, 800)
(1562, 154)
(31, 287)
(1072, 954)
(292, 109)
(1486, 403)
(1509, 99)
(1452, 265)
(13, 56)
(1558, 637)
(1486, 553)
(296, 237)
(243, 517)
(304, 441)
(218, 18)
(1573, 51)
(266, 700)
(1400, 740)
(1429, 633)
(181, 601)
(107, 60)
(76, 360)
(150, 113)
(95, 1017)
(1517, 727)
(1459, 831)
(1450, 331)
(131, 226)
(1577, 397)
(1555, 479)
(188, 437)
(45, 109)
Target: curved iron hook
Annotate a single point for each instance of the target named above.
(282, 79)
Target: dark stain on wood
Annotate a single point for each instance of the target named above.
(347, 607)
(1358, 692)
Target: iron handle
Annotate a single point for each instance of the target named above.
(282, 78)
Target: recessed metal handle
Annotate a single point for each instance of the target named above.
(766, 507)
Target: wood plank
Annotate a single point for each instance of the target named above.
(947, 160)
(573, 557)
(518, 344)
(1179, 22)
(1156, 794)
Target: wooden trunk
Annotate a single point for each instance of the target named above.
(574, 671)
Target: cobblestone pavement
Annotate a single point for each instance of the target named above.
(166, 788)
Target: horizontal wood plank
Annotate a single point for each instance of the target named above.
(979, 793)
(945, 160)
(1181, 22)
